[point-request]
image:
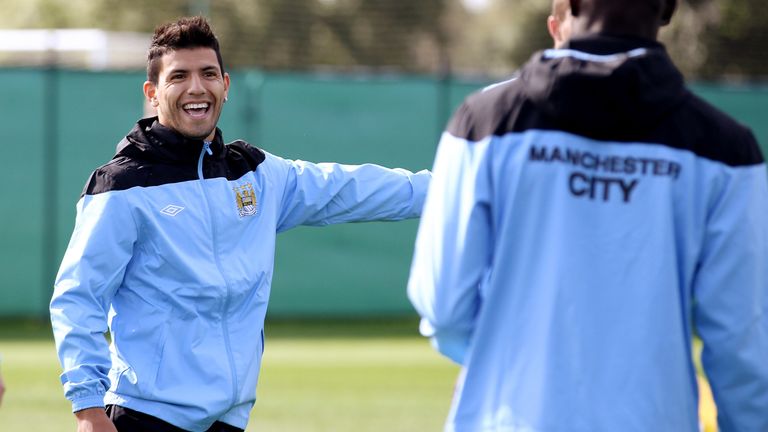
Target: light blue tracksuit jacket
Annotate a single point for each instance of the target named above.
(584, 222)
(173, 253)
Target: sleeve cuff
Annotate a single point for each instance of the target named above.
(96, 401)
(453, 345)
(420, 184)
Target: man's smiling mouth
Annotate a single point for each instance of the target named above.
(196, 109)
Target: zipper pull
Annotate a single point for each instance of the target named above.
(207, 147)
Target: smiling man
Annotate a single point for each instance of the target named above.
(191, 91)
(173, 251)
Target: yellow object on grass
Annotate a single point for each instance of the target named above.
(707, 408)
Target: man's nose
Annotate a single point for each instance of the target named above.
(196, 85)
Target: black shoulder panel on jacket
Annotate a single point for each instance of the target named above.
(683, 122)
(123, 173)
(243, 158)
(137, 168)
(708, 132)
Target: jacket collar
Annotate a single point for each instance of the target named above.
(602, 85)
(606, 44)
(152, 140)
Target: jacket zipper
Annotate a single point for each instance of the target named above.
(217, 260)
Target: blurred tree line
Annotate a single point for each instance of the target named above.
(709, 39)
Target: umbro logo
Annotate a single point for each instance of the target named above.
(171, 210)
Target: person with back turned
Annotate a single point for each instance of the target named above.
(583, 223)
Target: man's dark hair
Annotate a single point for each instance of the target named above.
(560, 9)
(633, 17)
(187, 32)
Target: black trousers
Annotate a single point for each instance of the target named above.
(128, 420)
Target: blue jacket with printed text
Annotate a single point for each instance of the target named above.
(173, 252)
(584, 221)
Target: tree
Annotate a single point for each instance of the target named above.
(708, 38)
(738, 40)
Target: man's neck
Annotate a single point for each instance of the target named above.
(583, 26)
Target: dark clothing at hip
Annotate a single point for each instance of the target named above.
(128, 420)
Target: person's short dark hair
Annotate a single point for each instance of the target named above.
(560, 9)
(187, 32)
(627, 11)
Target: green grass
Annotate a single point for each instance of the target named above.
(33, 400)
(317, 376)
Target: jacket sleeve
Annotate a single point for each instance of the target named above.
(91, 271)
(731, 300)
(453, 246)
(330, 193)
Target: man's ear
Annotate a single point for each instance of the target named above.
(669, 10)
(552, 26)
(575, 7)
(150, 92)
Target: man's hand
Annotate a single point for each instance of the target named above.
(94, 420)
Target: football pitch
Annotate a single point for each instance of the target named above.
(317, 376)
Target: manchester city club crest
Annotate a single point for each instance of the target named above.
(246, 200)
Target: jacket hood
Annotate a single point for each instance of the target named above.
(604, 83)
(150, 140)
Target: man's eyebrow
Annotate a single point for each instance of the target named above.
(203, 69)
(177, 70)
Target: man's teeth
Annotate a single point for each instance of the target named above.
(196, 106)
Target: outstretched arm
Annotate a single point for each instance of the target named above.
(330, 193)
